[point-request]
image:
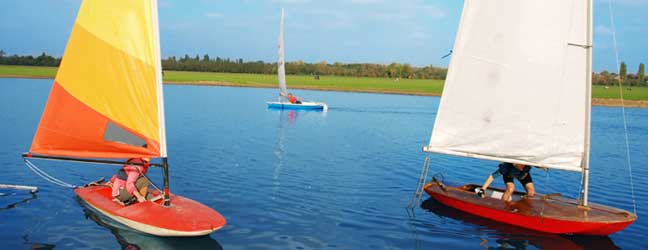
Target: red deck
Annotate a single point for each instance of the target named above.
(556, 215)
(184, 217)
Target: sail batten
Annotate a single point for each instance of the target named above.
(106, 100)
(515, 89)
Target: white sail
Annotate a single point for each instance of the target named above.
(281, 70)
(159, 80)
(517, 83)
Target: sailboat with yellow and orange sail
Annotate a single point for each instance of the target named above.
(107, 103)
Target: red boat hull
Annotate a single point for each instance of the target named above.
(184, 217)
(560, 216)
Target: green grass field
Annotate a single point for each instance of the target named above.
(629, 93)
(28, 71)
(406, 86)
(326, 82)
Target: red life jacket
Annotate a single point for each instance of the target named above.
(292, 99)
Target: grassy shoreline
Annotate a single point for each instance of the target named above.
(634, 97)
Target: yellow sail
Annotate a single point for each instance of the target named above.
(107, 97)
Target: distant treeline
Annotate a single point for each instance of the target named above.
(207, 64)
(42, 60)
(611, 79)
(394, 70)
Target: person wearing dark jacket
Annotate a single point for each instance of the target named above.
(510, 171)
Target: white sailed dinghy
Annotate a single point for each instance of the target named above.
(283, 102)
(496, 106)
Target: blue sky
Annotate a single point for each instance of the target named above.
(375, 31)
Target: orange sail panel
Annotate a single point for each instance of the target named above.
(106, 101)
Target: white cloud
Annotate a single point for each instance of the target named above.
(434, 11)
(603, 30)
(367, 1)
(418, 35)
(164, 4)
(405, 11)
(410, 19)
(292, 1)
(213, 15)
(371, 9)
(631, 3)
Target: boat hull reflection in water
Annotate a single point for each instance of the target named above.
(512, 237)
(13, 203)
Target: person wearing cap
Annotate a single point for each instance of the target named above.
(130, 185)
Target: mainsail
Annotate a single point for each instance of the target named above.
(517, 88)
(281, 70)
(106, 100)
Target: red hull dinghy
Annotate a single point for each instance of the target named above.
(544, 213)
(106, 105)
(496, 107)
(184, 217)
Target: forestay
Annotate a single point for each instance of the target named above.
(516, 85)
(106, 100)
(281, 61)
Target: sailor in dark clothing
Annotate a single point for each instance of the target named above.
(509, 171)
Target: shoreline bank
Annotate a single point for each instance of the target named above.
(606, 102)
(595, 101)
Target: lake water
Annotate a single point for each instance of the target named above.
(304, 180)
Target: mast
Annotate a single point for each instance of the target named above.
(588, 105)
(165, 173)
(160, 100)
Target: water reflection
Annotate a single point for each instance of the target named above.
(290, 115)
(510, 237)
(286, 118)
(32, 196)
(131, 240)
(41, 246)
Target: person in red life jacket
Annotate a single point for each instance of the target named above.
(293, 99)
(130, 184)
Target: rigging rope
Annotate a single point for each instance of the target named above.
(149, 180)
(61, 183)
(625, 120)
(416, 199)
(447, 55)
(46, 176)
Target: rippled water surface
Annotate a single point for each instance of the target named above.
(304, 180)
